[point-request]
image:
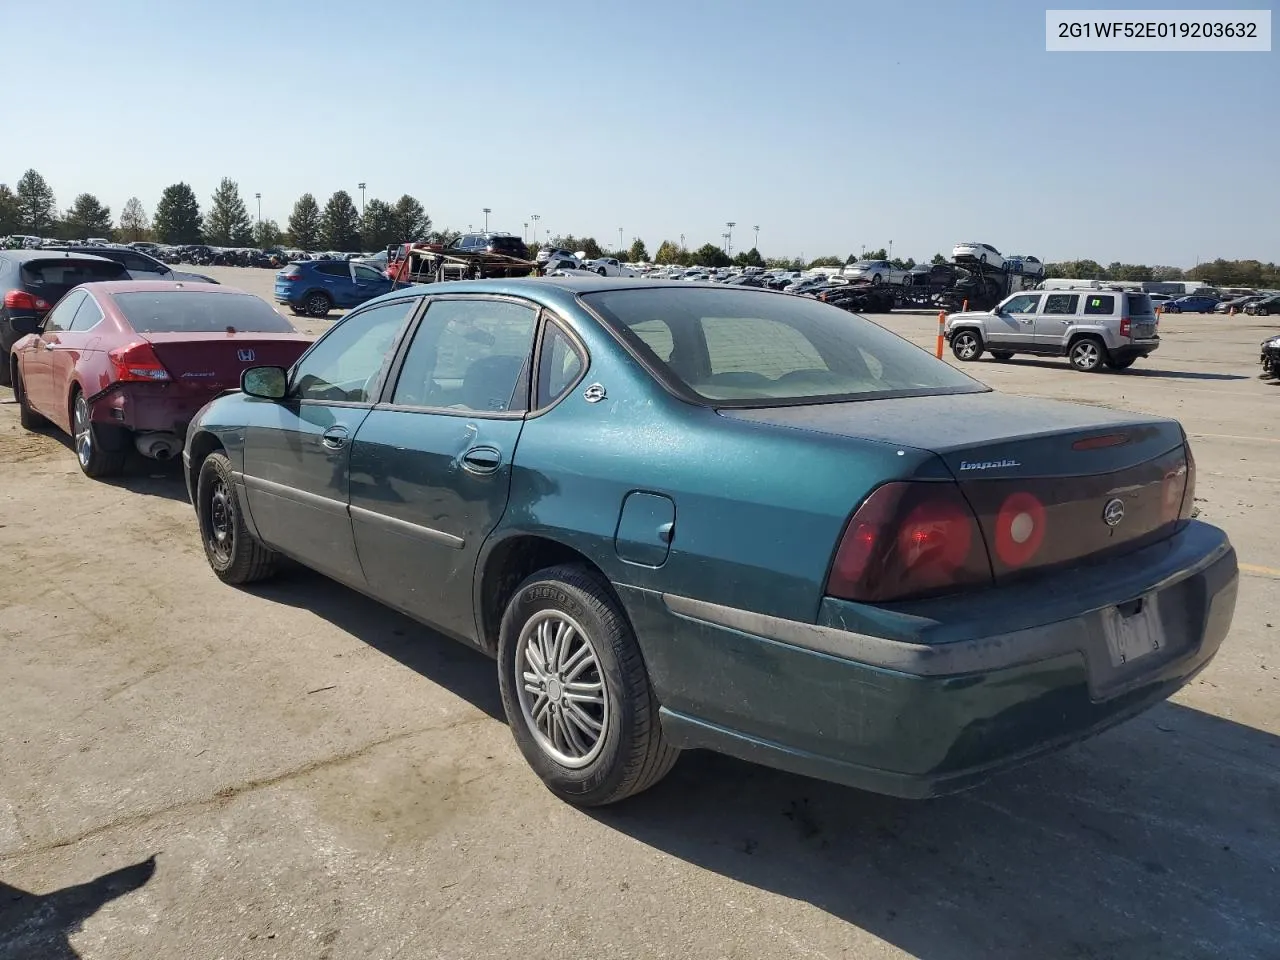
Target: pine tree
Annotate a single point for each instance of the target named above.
(304, 223)
(227, 223)
(340, 224)
(177, 218)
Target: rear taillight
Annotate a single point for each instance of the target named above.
(909, 540)
(137, 363)
(290, 276)
(21, 300)
(1189, 493)
(1125, 327)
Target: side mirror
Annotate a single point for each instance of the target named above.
(265, 383)
(25, 325)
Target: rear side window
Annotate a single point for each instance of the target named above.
(507, 244)
(1096, 304)
(1061, 303)
(559, 365)
(185, 311)
(1140, 305)
(333, 268)
(88, 316)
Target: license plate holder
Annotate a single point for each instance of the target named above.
(1133, 633)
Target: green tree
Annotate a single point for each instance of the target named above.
(749, 258)
(668, 253)
(881, 254)
(380, 226)
(10, 211)
(1166, 273)
(340, 224)
(36, 208)
(266, 234)
(709, 255)
(177, 218)
(227, 223)
(412, 222)
(304, 223)
(133, 220)
(87, 217)
(826, 262)
(590, 248)
(938, 259)
(638, 253)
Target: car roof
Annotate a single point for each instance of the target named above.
(110, 287)
(51, 254)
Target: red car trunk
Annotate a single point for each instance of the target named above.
(211, 362)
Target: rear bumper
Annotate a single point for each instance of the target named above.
(1138, 348)
(145, 407)
(987, 682)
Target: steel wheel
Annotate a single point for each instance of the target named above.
(562, 692)
(222, 530)
(82, 431)
(1086, 355)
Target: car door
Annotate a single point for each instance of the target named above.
(1054, 321)
(82, 337)
(431, 465)
(369, 282)
(297, 451)
(335, 280)
(1012, 325)
(37, 359)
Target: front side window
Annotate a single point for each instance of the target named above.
(60, 317)
(1023, 303)
(367, 274)
(740, 347)
(1061, 303)
(469, 355)
(348, 363)
(1100, 304)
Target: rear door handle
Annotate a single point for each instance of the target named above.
(482, 459)
(335, 438)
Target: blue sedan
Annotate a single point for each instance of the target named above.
(1194, 303)
(696, 516)
(314, 287)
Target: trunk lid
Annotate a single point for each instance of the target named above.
(212, 362)
(1050, 482)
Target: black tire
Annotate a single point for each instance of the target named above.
(477, 272)
(877, 279)
(317, 304)
(236, 555)
(1088, 354)
(28, 418)
(967, 345)
(298, 311)
(630, 753)
(1262, 312)
(96, 455)
(5, 378)
(906, 281)
(1001, 355)
(1124, 364)
(1171, 309)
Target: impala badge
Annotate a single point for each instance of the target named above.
(246, 356)
(1113, 512)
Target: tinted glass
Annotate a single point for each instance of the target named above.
(1100, 304)
(469, 355)
(333, 268)
(346, 365)
(52, 278)
(511, 245)
(60, 317)
(88, 316)
(1060, 303)
(186, 311)
(558, 366)
(735, 346)
(1140, 305)
(367, 274)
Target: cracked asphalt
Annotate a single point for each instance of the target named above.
(292, 771)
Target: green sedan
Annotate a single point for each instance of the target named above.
(691, 516)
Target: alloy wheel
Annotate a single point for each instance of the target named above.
(561, 688)
(967, 346)
(82, 430)
(1085, 354)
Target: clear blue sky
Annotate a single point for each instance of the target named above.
(834, 125)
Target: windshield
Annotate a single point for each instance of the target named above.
(743, 347)
(53, 278)
(183, 311)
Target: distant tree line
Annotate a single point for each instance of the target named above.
(30, 208)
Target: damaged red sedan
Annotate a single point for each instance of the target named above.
(127, 364)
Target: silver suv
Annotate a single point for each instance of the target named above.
(1091, 327)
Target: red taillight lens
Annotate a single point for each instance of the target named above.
(137, 363)
(1125, 326)
(290, 276)
(21, 300)
(909, 540)
(1189, 493)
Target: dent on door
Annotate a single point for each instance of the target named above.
(646, 526)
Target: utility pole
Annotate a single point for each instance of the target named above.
(729, 237)
(526, 231)
(619, 243)
(361, 185)
(535, 217)
(258, 197)
(756, 228)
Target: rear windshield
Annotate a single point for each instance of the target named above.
(739, 347)
(54, 277)
(1140, 305)
(184, 311)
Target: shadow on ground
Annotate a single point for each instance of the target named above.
(142, 475)
(1134, 371)
(1159, 839)
(40, 925)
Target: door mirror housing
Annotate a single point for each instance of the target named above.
(265, 383)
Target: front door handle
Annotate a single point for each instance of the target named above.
(46, 344)
(335, 438)
(482, 459)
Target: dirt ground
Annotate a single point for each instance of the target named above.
(191, 770)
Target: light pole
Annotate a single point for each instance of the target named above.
(361, 185)
(756, 228)
(890, 249)
(682, 241)
(728, 241)
(535, 217)
(258, 197)
(526, 231)
(487, 211)
(619, 243)
(729, 236)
